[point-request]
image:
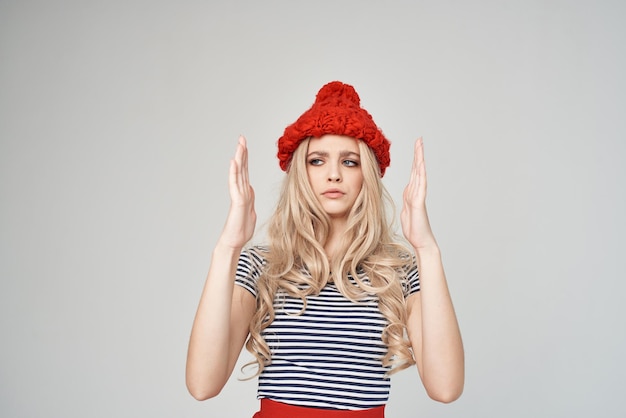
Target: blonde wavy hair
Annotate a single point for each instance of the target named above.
(297, 263)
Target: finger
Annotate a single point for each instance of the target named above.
(238, 153)
(405, 196)
(242, 163)
(422, 164)
(412, 189)
(420, 149)
(244, 167)
(414, 166)
(414, 179)
(232, 178)
(251, 195)
(235, 174)
(419, 153)
(239, 160)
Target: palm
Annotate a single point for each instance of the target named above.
(241, 219)
(414, 218)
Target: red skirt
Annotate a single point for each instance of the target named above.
(273, 409)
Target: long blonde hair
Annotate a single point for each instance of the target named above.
(297, 263)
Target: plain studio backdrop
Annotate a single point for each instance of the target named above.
(117, 123)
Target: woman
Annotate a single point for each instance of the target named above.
(327, 306)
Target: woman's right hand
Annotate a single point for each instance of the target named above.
(222, 321)
(241, 219)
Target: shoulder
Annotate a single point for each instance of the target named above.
(252, 261)
(256, 254)
(409, 273)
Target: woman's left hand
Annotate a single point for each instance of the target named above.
(414, 218)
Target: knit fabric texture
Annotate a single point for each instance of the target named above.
(337, 110)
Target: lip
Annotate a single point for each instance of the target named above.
(333, 193)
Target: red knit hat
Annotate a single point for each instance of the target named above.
(337, 111)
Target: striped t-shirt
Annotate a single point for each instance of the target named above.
(328, 356)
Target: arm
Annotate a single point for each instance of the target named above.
(222, 320)
(432, 325)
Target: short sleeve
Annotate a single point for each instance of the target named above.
(249, 268)
(411, 280)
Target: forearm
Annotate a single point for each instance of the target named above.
(442, 356)
(208, 358)
(223, 317)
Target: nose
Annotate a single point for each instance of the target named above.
(334, 175)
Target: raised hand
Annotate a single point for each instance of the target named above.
(223, 317)
(241, 220)
(414, 218)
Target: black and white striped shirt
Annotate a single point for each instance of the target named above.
(328, 356)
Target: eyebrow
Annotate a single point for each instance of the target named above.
(342, 154)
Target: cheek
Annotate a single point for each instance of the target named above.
(314, 179)
(358, 181)
(356, 184)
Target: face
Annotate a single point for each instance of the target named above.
(334, 170)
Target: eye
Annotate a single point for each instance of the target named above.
(350, 163)
(316, 161)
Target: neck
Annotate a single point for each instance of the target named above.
(337, 230)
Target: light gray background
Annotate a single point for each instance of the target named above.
(117, 122)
